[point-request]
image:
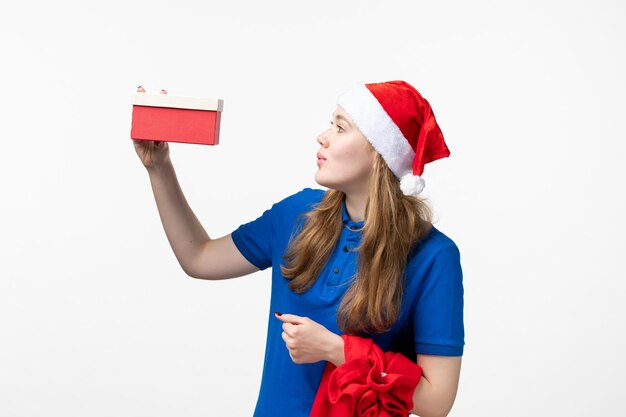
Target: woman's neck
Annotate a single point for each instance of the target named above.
(355, 204)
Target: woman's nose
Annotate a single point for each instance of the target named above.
(321, 139)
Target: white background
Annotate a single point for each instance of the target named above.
(96, 316)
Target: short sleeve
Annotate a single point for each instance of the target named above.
(254, 240)
(263, 239)
(438, 310)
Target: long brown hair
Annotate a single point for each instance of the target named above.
(394, 223)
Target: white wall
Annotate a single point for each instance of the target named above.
(96, 316)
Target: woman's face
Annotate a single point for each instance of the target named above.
(346, 158)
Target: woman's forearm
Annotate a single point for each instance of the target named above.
(184, 232)
(426, 403)
(337, 356)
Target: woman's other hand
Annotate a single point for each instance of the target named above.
(309, 341)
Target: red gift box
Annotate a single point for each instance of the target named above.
(169, 118)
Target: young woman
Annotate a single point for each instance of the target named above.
(358, 270)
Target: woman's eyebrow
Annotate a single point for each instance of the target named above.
(340, 117)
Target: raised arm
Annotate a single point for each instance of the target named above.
(198, 254)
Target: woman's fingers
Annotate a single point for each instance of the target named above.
(140, 89)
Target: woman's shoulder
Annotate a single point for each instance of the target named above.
(304, 200)
(433, 243)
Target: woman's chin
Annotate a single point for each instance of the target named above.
(327, 184)
(319, 179)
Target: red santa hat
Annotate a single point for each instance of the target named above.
(400, 125)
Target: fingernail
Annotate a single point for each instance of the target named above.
(277, 313)
(139, 87)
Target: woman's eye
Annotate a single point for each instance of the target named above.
(339, 128)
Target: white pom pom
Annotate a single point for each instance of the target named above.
(412, 184)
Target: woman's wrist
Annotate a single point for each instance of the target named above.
(337, 355)
(165, 167)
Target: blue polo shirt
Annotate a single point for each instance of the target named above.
(430, 322)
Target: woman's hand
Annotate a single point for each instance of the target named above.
(152, 153)
(309, 341)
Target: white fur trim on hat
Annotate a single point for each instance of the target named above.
(374, 122)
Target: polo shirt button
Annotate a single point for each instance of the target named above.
(336, 270)
(345, 249)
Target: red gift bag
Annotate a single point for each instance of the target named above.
(371, 383)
